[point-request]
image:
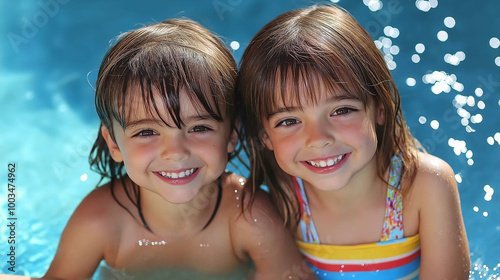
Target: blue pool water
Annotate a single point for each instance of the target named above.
(445, 58)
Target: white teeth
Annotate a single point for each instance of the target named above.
(173, 175)
(329, 162)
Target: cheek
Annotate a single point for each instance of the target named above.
(360, 132)
(285, 148)
(216, 149)
(369, 131)
(138, 153)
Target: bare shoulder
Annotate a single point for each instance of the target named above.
(253, 206)
(260, 233)
(96, 207)
(91, 231)
(434, 177)
(435, 197)
(252, 214)
(432, 167)
(96, 217)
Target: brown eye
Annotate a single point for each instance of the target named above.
(287, 122)
(342, 111)
(199, 128)
(146, 132)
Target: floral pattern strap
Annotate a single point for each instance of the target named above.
(309, 233)
(393, 222)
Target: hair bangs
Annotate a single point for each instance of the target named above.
(157, 76)
(310, 81)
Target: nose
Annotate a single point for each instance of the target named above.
(174, 148)
(318, 135)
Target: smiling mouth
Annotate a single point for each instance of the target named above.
(178, 175)
(327, 162)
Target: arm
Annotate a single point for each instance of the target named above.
(82, 242)
(444, 246)
(261, 233)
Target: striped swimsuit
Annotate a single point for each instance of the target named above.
(393, 257)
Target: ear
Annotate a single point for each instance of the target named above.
(233, 138)
(114, 150)
(380, 114)
(233, 141)
(265, 139)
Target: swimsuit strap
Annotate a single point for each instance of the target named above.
(393, 221)
(309, 233)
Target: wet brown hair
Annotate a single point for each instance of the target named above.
(158, 62)
(325, 47)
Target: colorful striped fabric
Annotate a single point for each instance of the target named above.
(395, 259)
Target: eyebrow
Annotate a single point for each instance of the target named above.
(335, 98)
(138, 122)
(187, 119)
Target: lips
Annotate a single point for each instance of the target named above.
(326, 165)
(175, 175)
(326, 162)
(180, 177)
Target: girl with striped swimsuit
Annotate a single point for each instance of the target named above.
(324, 130)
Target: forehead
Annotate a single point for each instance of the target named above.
(306, 88)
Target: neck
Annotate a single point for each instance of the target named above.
(363, 189)
(163, 216)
